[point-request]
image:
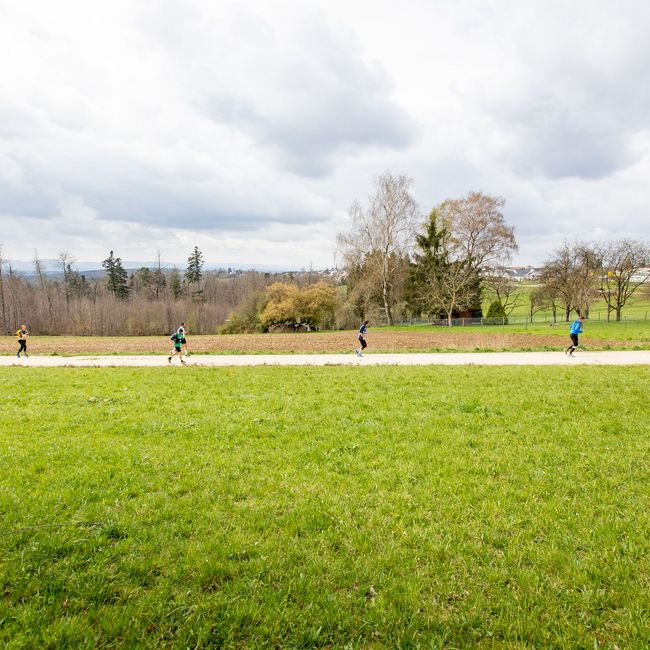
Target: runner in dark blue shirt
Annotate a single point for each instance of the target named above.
(362, 337)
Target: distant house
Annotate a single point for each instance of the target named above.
(335, 275)
(642, 275)
(533, 273)
(524, 273)
(520, 273)
(499, 272)
(517, 273)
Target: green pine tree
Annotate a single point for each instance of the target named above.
(79, 287)
(497, 313)
(117, 279)
(430, 264)
(437, 283)
(175, 284)
(194, 271)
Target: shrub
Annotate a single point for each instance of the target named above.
(496, 314)
(245, 319)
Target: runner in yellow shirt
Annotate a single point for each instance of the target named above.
(22, 335)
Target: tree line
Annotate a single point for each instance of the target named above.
(146, 301)
(397, 265)
(449, 264)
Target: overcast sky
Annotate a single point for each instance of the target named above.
(249, 128)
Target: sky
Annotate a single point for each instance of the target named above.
(248, 128)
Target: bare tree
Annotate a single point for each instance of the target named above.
(589, 265)
(504, 290)
(623, 272)
(3, 304)
(45, 289)
(456, 287)
(556, 279)
(66, 261)
(480, 241)
(478, 230)
(382, 234)
(570, 276)
(538, 300)
(158, 280)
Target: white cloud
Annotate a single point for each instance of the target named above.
(248, 127)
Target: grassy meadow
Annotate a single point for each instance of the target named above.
(325, 507)
(637, 332)
(636, 308)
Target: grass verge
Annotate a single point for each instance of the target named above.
(307, 507)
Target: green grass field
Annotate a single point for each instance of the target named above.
(622, 331)
(325, 507)
(637, 307)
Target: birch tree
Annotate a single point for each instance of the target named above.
(382, 235)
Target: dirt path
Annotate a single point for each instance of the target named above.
(460, 339)
(608, 358)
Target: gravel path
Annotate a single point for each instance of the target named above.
(610, 358)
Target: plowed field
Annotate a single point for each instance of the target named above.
(378, 341)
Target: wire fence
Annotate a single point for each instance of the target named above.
(517, 320)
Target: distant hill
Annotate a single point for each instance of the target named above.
(93, 269)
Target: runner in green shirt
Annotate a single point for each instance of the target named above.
(178, 349)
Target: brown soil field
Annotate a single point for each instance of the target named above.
(326, 342)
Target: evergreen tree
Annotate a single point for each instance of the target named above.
(438, 284)
(78, 285)
(429, 266)
(497, 313)
(141, 281)
(116, 277)
(194, 270)
(143, 276)
(175, 284)
(382, 235)
(109, 266)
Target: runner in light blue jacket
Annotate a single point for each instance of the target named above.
(576, 328)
